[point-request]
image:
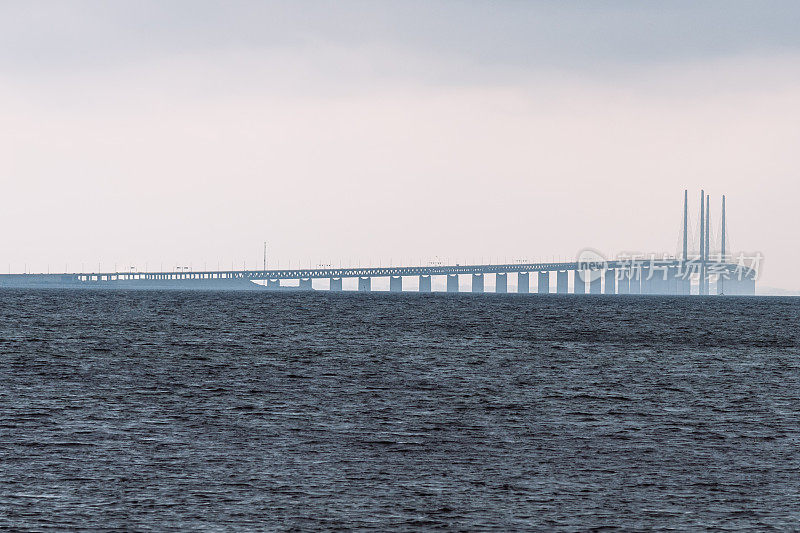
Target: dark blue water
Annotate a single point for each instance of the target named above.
(169, 410)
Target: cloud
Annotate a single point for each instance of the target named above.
(60, 37)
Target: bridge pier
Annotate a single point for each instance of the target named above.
(273, 284)
(635, 283)
(684, 284)
(623, 281)
(665, 280)
(452, 283)
(501, 283)
(647, 280)
(305, 284)
(673, 281)
(660, 281)
(749, 286)
(562, 282)
(705, 281)
(578, 282)
(523, 283)
(595, 282)
(731, 286)
(395, 283)
(365, 284)
(336, 284)
(477, 283)
(610, 281)
(543, 283)
(688, 272)
(424, 284)
(713, 284)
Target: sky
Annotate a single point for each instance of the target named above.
(186, 133)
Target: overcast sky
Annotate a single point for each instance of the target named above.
(154, 133)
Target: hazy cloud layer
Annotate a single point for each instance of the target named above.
(525, 35)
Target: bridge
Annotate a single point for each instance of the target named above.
(666, 276)
(687, 274)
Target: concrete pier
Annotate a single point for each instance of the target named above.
(336, 284)
(654, 283)
(647, 280)
(271, 283)
(578, 282)
(695, 273)
(501, 283)
(562, 282)
(623, 281)
(523, 283)
(305, 285)
(543, 283)
(424, 284)
(684, 285)
(364, 284)
(749, 286)
(395, 283)
(660, 281)
(730, 287)
(595, 284)
(635, 281)
(610, 281)
(452, 283)
(477, 283)
(672, 281)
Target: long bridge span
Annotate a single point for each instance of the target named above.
(668, 276)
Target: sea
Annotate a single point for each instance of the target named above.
(301, 411)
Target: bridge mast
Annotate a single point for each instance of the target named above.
(685, 223)
(722, 250)
(721, 278)
(708, 239)
(702, 241)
